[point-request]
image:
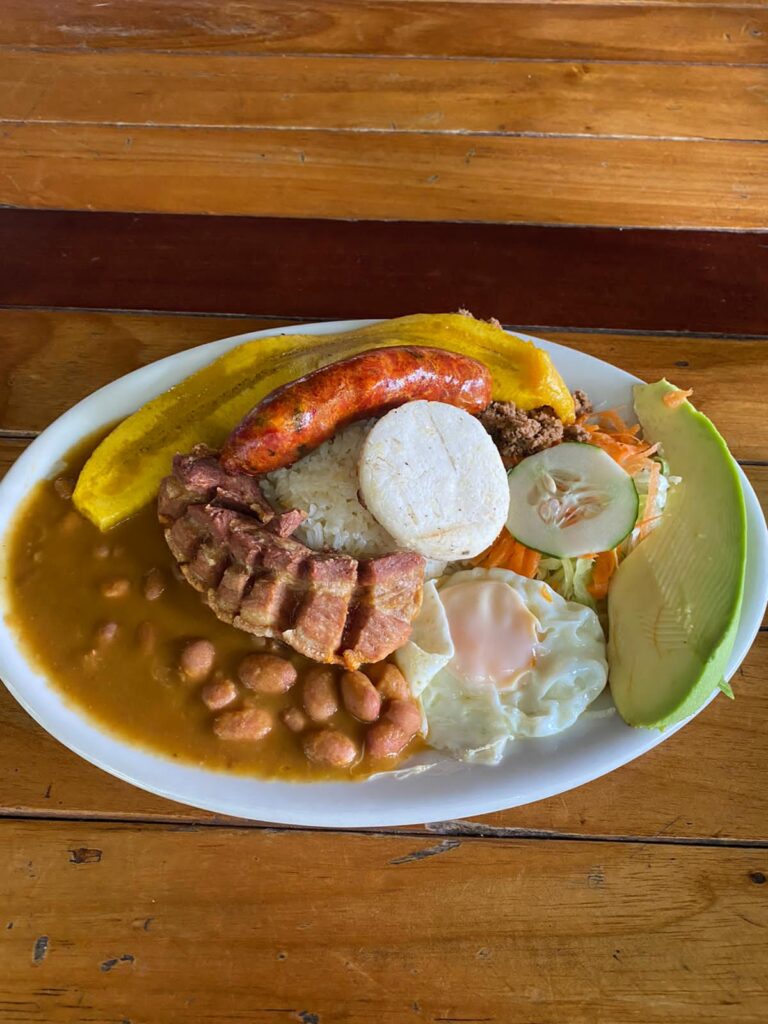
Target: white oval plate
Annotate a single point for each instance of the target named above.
(533, 770)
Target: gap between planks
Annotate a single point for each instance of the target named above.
(453, 58)
(292, 320)
(287, 129)
(458, 830)
(464, 133)
(548, 225)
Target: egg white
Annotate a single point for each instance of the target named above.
(474, 722)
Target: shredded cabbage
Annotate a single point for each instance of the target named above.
(570, 577)
(662, 493)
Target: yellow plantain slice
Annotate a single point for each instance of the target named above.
(125, 471)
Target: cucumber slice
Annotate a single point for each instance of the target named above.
(571, 500)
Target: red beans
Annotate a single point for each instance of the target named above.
(106, 633)
(320, 694)
(197, 659)
(405, 714)
(146, 637)
(384, 739)
(294, 719)
(395, 730)
(69, 523)
(63, 487)
(266, 673)
(330, 747)
(389, 681)
(153, 584)
(218, 693)
(360, 696)
(116, 587)
(246, 724)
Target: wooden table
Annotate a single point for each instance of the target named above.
(479, 154)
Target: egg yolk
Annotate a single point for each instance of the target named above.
(493, 633)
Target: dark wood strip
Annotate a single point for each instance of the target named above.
(698, 281)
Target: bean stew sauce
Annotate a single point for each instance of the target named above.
(109, 622)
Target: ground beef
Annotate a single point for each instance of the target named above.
(575, 432)
(518, 434)
(582, 403)
(583, 408)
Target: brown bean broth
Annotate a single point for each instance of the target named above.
(57, 608)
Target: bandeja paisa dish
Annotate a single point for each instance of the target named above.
(325, 558)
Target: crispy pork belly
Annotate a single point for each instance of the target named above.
(233, 547)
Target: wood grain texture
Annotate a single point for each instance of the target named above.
(716, 30)
(318, 928)
(49, 360)
(688, 281)
(10, 449)
(369, 94)
(386, 175)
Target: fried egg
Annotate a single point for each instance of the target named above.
(495, 656)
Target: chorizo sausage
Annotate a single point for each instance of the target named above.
(297, 417)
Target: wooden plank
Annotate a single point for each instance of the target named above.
(720, 791)
(40, 350)
(720, 372)
(384, 175)
(685, 281)
(345, 93)
(10, 449)
(243, 925)
(52, 359)
(715, 30)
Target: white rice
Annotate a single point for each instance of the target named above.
(324, 484)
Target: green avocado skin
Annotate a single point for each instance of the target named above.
(674, 602)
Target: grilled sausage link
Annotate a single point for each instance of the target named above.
(297, 417)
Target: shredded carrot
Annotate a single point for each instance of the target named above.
(631, 453)
(610, 420)
(515, 559)
(546, 593)
(508, 553)
(604, 567)
(496, 553)
(650, 500)
(674, 399)
(530, 562)
(624, 437)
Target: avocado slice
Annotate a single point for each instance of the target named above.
(674, 602)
